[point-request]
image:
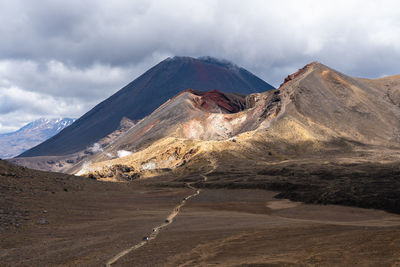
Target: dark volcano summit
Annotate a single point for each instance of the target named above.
(142, 96)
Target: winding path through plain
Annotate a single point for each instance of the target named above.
(168, 220)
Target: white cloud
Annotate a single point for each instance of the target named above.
(30, 90)
(58, 79)
(17, 107)
(73, 54)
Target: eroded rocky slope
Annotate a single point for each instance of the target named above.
(316, 110)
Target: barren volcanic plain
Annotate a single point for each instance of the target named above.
(51, 219)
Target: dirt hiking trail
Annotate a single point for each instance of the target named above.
(168, 220)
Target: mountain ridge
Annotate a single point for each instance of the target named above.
(143, 95)
(316, 109)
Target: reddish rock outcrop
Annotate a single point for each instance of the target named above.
(297, 73)
(215, 101)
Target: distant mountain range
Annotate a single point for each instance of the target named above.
(14, 143)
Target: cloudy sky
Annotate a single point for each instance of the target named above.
(60, 58)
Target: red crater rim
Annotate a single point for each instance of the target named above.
(214, 101)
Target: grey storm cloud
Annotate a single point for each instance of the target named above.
(60, 58)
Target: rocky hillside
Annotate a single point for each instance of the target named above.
(145, 94)
(315, 110)
(322, 137)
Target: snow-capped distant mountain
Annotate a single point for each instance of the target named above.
(32, 134)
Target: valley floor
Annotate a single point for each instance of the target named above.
(249, 227)
(90, 224)
(84, 228)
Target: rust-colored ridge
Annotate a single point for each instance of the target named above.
(297, 73)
